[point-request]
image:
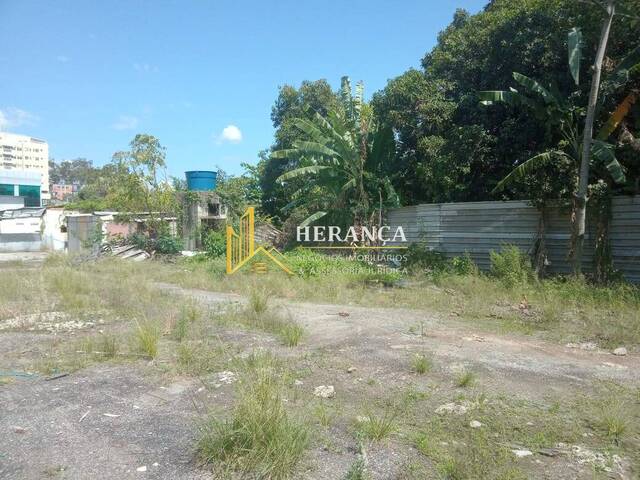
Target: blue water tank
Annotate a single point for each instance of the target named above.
(201, 180)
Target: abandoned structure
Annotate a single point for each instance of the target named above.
(202, 207)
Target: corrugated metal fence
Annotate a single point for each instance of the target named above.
(479, 227)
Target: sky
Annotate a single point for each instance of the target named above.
(202, 76)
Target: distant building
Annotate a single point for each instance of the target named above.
(62, 191)
(25, 153)
(19, 188)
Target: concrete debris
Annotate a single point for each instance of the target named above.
(522, 453)
(226, 377)
(46, 321)
(130, 252)
(452, 407)
(584, 456)
(583, 346)
(324, 391)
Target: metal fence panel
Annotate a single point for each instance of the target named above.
(480, 227)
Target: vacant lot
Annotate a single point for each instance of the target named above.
(172, 370)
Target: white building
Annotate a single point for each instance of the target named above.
(22, 152)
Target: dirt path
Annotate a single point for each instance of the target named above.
(109, 421)
(396, 331)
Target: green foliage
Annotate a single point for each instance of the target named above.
(464, 265)
(214, 243)
(164, 242)
(344, 164)
(511, 266)
(421, 258)
(168, 244)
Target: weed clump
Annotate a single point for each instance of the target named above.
(260, 437)
(147, 335)
(421, 364)
(511, 266)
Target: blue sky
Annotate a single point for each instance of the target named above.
(88, 75)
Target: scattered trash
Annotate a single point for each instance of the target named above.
(57, 376)
(475, 424)
(324, 391)
(141, 469)
(298, 383)
(351, 369)
(112, 415)
(343, 314)
(19, 430)
(620, 351)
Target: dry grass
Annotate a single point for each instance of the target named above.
(561, 309)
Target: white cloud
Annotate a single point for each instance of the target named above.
(145, 67)
(12, 117)
(231, 134)
(125, 122)
(63, 59)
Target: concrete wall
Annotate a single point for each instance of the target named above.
(79, 229)
(479, 227)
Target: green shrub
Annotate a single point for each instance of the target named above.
(464, 265)
(511, 266)
(167, 244)
(421, 258)
(214, 243)
(164, 243)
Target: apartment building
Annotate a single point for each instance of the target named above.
(27, 154)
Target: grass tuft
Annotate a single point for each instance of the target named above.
(465, 379)
(260, 438)
(291, 334)
(378, 427)
(259, 300)
(147, 335)
(421, 364)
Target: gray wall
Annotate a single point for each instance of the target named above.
(20, 242)
(79, 229)
(479, 227)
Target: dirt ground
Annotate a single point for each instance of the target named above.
(136, 420)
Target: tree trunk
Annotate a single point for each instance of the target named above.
(583, 184)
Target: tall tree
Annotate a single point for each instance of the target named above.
(344, 163)
(587, 141)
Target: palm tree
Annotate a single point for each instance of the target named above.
(345, 162)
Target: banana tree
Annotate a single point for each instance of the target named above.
(560, 115)
(344, 161)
